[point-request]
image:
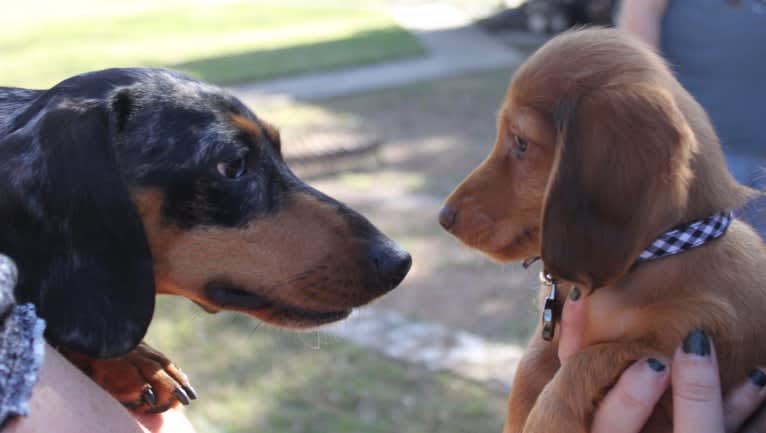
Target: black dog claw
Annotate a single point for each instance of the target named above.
(190, 392)
(148, 397)
(181, 396)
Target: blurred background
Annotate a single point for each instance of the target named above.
(383, 104)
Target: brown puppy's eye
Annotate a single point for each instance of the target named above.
(232, 169)
(520, 144)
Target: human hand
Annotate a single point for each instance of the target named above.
(171, 421)
(698, 406)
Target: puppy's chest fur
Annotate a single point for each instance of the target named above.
(717, 287)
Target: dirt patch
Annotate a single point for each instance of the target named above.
(251, 377)
(432, 134)
(254, 378)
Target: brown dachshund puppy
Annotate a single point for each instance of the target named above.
(599, 151)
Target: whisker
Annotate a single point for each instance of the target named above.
(316, 346)
(255, 328)
(301, 276)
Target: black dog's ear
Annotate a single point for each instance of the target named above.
(85, 262)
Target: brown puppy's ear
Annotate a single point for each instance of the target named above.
(620, 178)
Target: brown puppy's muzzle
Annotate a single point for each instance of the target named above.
(487, 213)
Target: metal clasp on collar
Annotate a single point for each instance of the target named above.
(549, 307)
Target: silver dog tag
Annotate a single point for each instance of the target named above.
(549, 318)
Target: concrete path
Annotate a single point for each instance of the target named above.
(434, 346)
(453, 47)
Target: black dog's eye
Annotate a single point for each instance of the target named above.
(232, 169)
(520, 144)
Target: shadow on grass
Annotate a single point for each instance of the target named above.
(358, 49)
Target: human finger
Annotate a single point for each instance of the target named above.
(743, 401)
(631, 401)
(573, 320)
(697, 403)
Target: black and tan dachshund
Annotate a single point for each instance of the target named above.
(120, 184)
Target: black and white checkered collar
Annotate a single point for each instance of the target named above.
(687, 236)
(676, 240)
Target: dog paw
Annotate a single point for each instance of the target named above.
(144, 380)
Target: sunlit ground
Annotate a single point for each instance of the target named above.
(252, 377)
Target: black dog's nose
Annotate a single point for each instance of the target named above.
(447, 216)
(391, 262)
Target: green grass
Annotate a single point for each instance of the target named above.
(224, 42)
(254, 378)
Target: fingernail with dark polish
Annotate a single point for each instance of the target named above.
(574, 293)
(697, 343)
(655, 365)
(758, 377)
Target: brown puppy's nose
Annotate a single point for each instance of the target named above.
(447, 216)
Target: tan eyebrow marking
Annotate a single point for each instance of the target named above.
(271, 132)
(258, 131)
(247, 126)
